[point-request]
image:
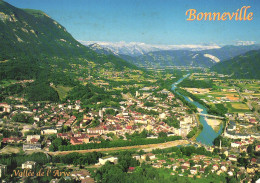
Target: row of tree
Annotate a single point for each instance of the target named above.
(191, 106)
(117, 143)
(192, 83)
(192, 132)
(184, 151)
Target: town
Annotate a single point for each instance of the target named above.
(151, 120)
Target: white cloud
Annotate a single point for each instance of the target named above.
(245, 43)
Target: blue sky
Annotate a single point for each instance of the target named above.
(149, 21)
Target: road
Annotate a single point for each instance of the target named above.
(249, 104)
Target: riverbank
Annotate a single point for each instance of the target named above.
(214, 123)
(199, 128)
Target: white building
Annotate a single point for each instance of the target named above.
(162, 116)
(102, 161)
(150, 155)
(48, 131)
(4, 107)
(235, 144)
(29, 165)
(30, 137)
(3, 169)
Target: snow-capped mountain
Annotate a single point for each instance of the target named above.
(137, 48)
(99, 49)
(146, 55)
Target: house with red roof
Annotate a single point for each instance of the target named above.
(128, 127)
(79, 140)
(202, 170)
(65, 135)
(215, 167)
(33, 141)
(257, 148)
(252, 120)
(253, 161)
(12, 140)
(232, 157)
(183, 168)
(131, 169)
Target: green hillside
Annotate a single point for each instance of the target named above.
(31, 42)
(36, 47)
(245, 66)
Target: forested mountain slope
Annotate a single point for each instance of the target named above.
(242, 66)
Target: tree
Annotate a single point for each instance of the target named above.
(192, 163)
(172, 121)
(232, 180)
(57, 144)
(162, 134)
(223, 156)
(208, 169)
(224, 141)
(147, 158)
(94, 123)
(192, 132)
(144, 133)
(111, 134)
(201, 162)
(111, 112)
(51, 148)
(149, 104)
(22, 118)
(250, 149)
(216, 150)
(243, 154)
(243, 161)
(42, 91)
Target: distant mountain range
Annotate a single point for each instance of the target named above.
(243, 66)
(144, 55)
(241, 61)
(137, 49)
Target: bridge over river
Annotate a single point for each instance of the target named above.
(211, 116)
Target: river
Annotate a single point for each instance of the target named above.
(207, 135)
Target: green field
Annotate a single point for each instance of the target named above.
(6, 83)
(237, 107)
(62, 91)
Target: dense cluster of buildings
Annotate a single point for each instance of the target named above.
(52, 119)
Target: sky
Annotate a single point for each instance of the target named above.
(149, 21)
